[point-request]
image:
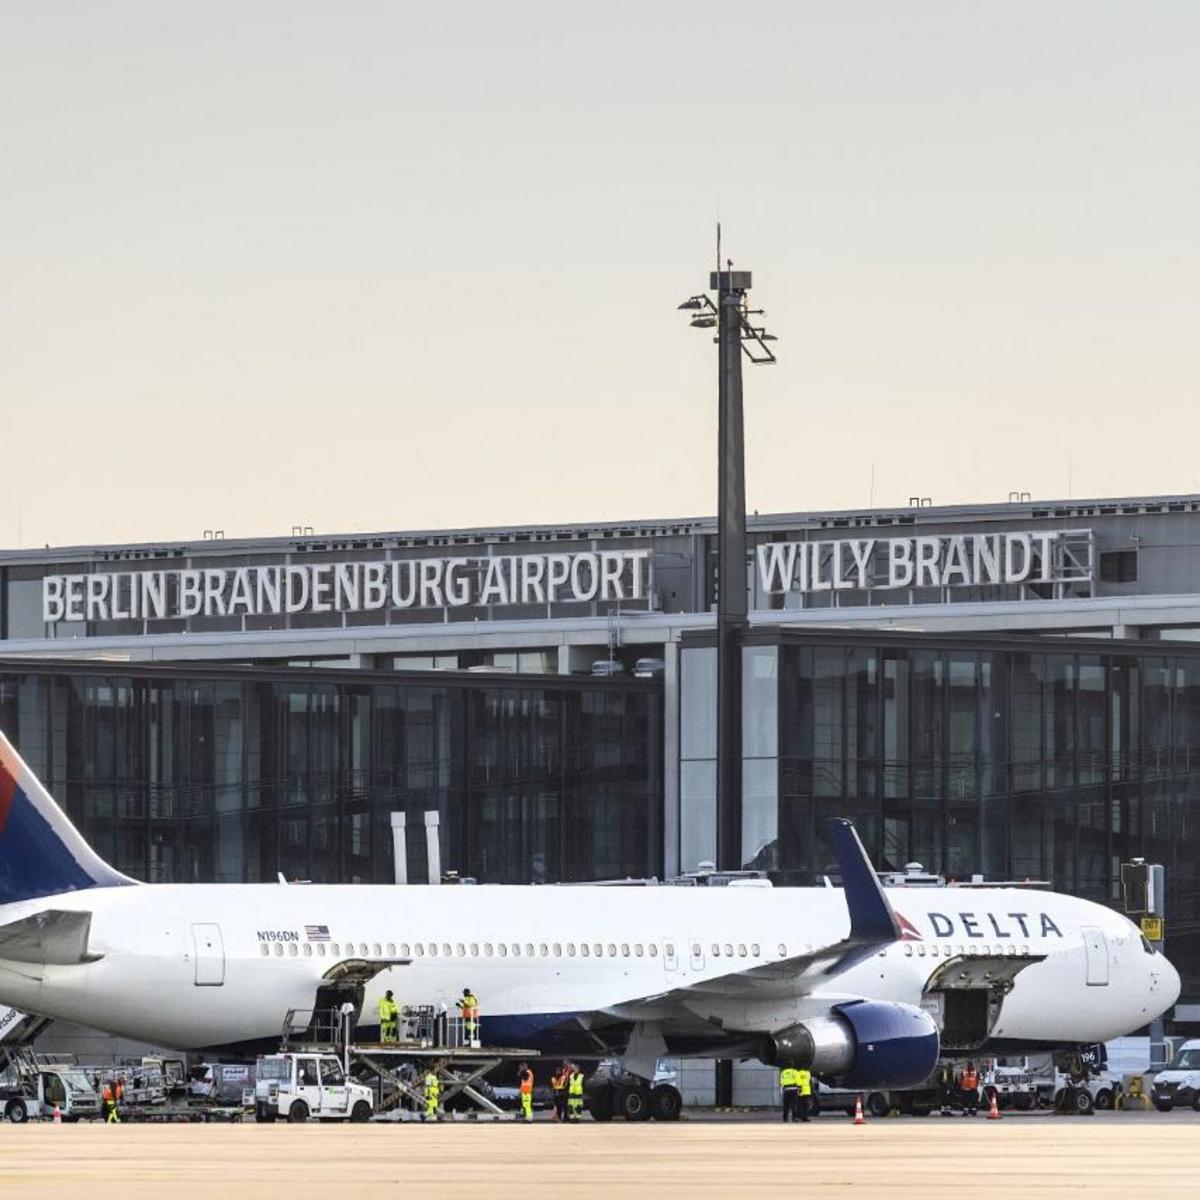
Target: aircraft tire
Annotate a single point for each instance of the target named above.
(1084, 1105)
(16, 1111)
(298, 1113)
(877, 1105)
(633, 1103)
(1104, 1099)
(666, 1104)
(360, 1113)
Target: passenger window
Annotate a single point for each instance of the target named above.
(307, 950)
(503, 950)
(782, 950)
(624, 949)
(378, 950)
(460, 950)
(921, 951)
(391, 949)
(420, 950)
(516, 949)
(487, 949)
(320, 949)
(570, 949)
(362, 949)
(543, 949)
(728, 950)
(754, 949)
(696, 951)
(528, 949)
(716, 950)
(741, 950)
(264, 949)
(335, 950)
(433, 949)
(612, 950)
(908, 952)
(584, 950)
(404, 951)
(558, 949)
(278, 949)
(637, 949)
(598, 950)
(474, 949)
(446, 952)
(654, 950)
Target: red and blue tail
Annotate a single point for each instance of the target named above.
(41, 852)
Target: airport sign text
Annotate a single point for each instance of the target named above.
(954, 560)
(344, 587)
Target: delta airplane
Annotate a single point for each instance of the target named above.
(865, 985)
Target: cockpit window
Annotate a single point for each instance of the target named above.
(1149, 949)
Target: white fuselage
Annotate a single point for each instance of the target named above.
(192, 966)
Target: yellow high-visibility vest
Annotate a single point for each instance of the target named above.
(787, 1077)
(804, 1082)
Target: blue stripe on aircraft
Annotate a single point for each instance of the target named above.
(34, 861)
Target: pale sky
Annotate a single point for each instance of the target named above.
(386, 266)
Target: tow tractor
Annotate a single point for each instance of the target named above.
(308, 1085)
(35, 1085)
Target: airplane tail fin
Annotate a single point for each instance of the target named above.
(41, 852)
(872, 921)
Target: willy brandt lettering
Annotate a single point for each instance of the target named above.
(503, 580)
(956, 560)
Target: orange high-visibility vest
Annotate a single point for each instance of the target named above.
(527, 1080)
(970, 1079)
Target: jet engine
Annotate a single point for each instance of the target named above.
(861, 1044)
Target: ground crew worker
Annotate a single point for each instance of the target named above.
(969, 1086)
(575, 1095)
(389, 1013)
(787, 1085)
(108, 1104)
(469, 1007)
(945, 1082)
(433, 1092)
(525, 1075)
(803, 1093)
(558, 1082)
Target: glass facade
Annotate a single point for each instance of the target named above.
(208, 775)
(1014, 758)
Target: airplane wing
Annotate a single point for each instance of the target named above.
(53, 937)
(873, 925)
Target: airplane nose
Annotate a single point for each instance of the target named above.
(1171, 984)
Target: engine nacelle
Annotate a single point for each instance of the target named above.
(861, 1044)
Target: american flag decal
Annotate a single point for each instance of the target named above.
(317, 933)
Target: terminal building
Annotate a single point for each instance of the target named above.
(1011, 690)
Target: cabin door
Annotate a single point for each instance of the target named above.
(210, 955)
(1095, 946)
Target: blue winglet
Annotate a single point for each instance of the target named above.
(872, 921)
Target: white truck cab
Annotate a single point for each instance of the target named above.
(37, 1093)
(1178, 1084)
(299, 1086)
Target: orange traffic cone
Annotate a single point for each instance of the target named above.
(993, 1108)
(57, 1114)
(858, 1113)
